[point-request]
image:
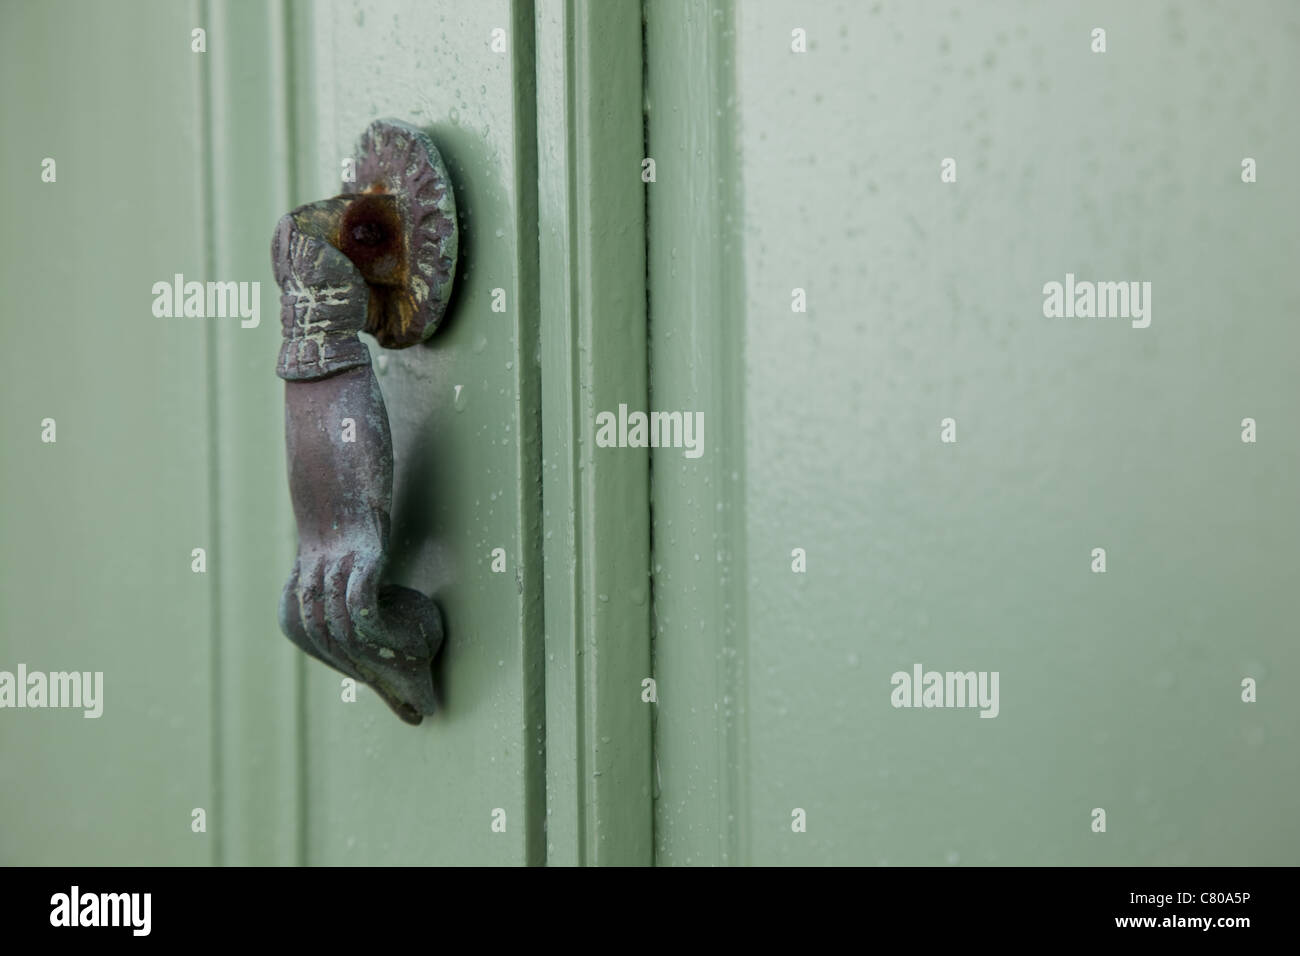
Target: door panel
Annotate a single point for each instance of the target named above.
(582, 287)
(170, 437)
(98, 526)
(463, 410)
(1118, 690)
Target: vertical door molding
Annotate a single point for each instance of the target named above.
(257, 684)
(697, 349)
(591, 207)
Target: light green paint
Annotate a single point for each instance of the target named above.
(465, 465)
(696, 335)
(171, 437)
(97, 528)
(258, 674)
(774, 171)
(1119, 690)
(591, 205)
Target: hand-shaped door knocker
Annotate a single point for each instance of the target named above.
(381, 258)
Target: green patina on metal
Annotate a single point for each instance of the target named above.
(380, 259)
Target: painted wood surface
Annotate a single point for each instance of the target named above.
(774, 171)
(591, 205)
(98, 527)
(464, 415)
(820, 171)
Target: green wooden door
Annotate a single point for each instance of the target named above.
(823, 171)
(822, 228)
(107, 470)
(176, 153)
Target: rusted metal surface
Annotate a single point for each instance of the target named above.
(380, 259)
(398, 160)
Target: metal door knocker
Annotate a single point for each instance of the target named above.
(381, 258)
